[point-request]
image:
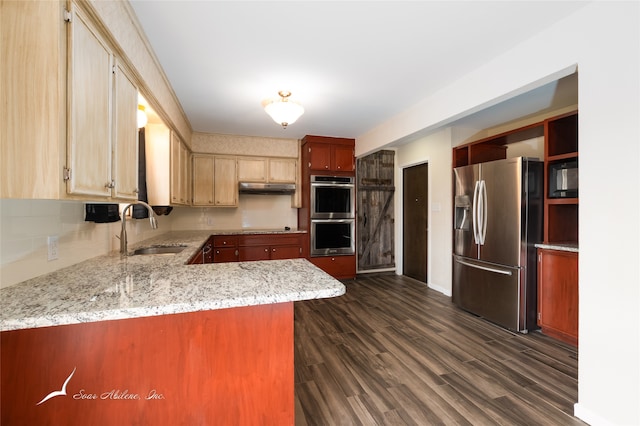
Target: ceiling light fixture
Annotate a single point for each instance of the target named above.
(142, 116)
(283, 111)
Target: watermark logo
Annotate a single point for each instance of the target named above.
(114, 394)
(61, 392)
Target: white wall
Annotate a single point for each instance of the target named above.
(253, 212)
(435, 150)
(601, 40)
(26, 224)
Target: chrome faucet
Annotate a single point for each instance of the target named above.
(123, 232)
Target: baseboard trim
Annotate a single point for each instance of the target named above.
(589, 416)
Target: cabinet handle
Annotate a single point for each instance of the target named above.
(136, 191)
(217, 251)
(110, 185)
(326, 167)
(266, 250)
(206, 250)
(273, 250)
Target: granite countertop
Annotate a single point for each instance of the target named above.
(255, 231)
(572, 247)
(111, 287)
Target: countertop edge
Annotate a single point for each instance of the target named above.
(558, 246)
(82, 293)
(170, 309)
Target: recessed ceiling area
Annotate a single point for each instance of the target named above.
(352, 65)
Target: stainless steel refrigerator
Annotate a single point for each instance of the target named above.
(498, 212)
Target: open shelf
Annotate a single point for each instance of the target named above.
(561, 151)
(562, 136)
(493, 147)
(561, 224)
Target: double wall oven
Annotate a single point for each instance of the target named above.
(332, 215)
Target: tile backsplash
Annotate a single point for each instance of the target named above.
(26, 224)
(253, 212)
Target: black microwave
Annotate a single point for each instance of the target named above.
(563, 179)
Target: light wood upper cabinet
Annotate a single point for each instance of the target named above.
(282, 170)
(72, 124)
(90, 87)
(33, 129)
(214, 181)
(225, 182)
(179, 171)
(273, 170)
(102, 144)
(252, 169)
(125, 142)
(203, 166)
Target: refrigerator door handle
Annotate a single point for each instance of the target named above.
(485, 268)
(474, 213)
(485, 212)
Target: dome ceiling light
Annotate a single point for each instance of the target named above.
(283, 111)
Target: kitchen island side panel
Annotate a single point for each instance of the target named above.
(227, 366)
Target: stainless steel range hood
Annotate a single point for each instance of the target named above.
(266, 188)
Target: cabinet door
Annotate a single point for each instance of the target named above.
(282, 170)
(125, 142)
(203, 173)
(225, 181)
(89, 97)
(185, 169)
(285, 252)
(320, 156)
(198, 258)
(247, 254)
(179, 171)
(558, 294)
(225, 254)
(252, 170)
(342, 158)
(31, 79)
(340, 267)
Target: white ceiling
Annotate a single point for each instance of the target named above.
(351, 64)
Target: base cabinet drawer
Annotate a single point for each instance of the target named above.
(269, 252)
(254, 253)
(340, 267)
(250, 247)
(225, 254)
(286, 252)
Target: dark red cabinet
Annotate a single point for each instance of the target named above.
(558, 294)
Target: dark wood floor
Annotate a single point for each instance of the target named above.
(391, 351)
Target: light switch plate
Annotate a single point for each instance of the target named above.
(52, 247)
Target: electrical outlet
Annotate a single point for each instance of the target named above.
(52, 247)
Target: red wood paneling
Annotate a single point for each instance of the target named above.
(228, 366)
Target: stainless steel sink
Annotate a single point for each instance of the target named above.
(158, 250)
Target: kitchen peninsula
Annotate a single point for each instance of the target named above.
(151, 340)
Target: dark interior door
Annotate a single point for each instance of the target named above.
(414, 221)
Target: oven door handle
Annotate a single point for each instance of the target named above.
(332, 220)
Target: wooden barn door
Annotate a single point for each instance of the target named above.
(415, 221)
(375, 189)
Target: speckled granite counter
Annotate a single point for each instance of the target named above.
(572, 247)
(110, 287)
